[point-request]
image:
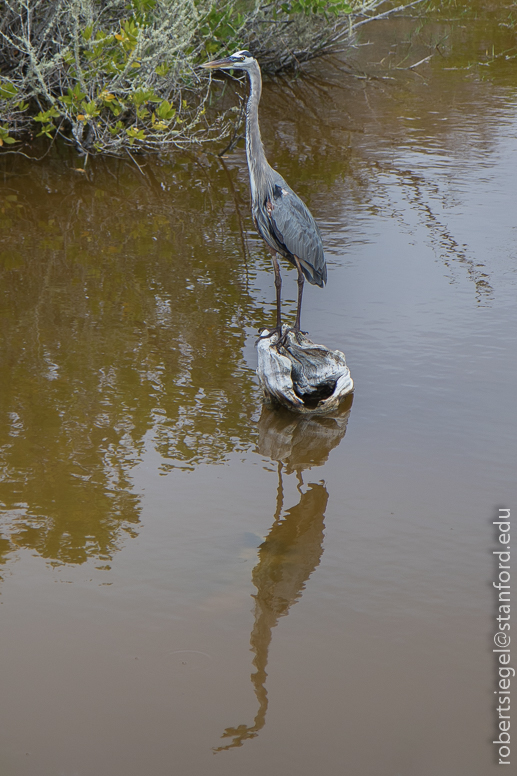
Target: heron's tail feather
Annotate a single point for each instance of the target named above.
(317, 277)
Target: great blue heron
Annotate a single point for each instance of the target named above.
(280, 216)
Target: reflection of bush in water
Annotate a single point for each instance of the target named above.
(123, 310)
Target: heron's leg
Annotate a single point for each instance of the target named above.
(278, 286)
(300, 293)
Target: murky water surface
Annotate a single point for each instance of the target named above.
(194, 584)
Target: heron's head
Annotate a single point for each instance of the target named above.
(241, 60)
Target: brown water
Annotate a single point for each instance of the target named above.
(193, 584)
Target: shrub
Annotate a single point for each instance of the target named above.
(115, 75)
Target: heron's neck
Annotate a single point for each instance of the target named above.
(257, 162)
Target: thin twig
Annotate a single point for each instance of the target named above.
(421, 62)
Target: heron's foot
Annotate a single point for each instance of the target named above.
(282, 332)
(282, 341)
(270, 333)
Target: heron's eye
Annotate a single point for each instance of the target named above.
(241, 56)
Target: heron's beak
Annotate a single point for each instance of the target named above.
(220, 63)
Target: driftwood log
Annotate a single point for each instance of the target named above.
(298, 374)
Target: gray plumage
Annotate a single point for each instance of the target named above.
(286, 224)
(280, 216)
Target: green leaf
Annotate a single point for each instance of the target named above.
(135, 134)
(7, 90)
(90, 108)
(141, 96)
(47, 131)
(45, 116)
(165, 111)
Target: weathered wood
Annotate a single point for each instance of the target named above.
(301, 375)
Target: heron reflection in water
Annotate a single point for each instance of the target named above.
(294, 545)
(281, 218)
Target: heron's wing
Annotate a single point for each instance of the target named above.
(294, 228)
